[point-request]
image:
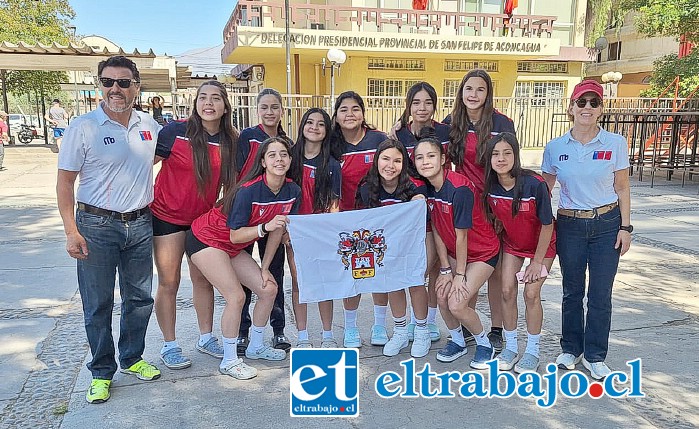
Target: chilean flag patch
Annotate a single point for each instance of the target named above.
(145, 136)
(602, 154)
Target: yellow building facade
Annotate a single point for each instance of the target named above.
(538, 52)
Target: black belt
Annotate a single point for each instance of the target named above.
(124, 217)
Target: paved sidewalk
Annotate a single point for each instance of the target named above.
(43, 348)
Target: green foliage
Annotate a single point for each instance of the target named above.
(666, 17)
(598, 13)
(32, 21)
(665, 70)
(35, 21)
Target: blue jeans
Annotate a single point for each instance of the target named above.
(588, 244)
(126, 247)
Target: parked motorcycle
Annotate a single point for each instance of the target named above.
(26, 134)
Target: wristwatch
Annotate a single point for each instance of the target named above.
(628, 228)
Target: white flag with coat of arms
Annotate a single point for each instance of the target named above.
(340, 255)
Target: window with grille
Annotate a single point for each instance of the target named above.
(397, 88)
(465, 66)
(541, 67)
(539, 94)
(396, 64)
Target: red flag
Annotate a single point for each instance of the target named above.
(420, 4)
(510, 6)
(685, 47)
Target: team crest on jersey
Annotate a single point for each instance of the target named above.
(312, 175)
(363, 251)
(262, 211)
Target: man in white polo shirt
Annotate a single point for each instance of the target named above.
(111, 150)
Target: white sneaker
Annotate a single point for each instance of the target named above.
(421, 343)
(398, 342)
(598, 370)
(567, 361)
(238, 369)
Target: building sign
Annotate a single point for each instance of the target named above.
(314, 39)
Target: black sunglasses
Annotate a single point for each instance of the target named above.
(108, 82)
(594, 102)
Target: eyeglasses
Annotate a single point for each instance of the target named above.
(108, 82)
(594, 102)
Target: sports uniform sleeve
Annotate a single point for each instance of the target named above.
(462, 207)
(546, 164)
(239, 216)
(166, 139)
(543, 203)
(243, 149)
(622, 153)
(297, 203)
(73, 152)
(335, 179)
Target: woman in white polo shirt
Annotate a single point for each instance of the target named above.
(593, 227)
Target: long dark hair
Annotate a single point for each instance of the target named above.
(410, 96)
(338, 140)
(278, 96)
(491, 177)
(322, 197)
(373, 178)
(199, 141)
(257, 170)
(460, 121)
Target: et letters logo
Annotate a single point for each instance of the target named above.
(324, 382)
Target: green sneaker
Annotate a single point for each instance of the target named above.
(98, 391)
(143, 370)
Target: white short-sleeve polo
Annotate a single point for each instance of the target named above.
(586, 171)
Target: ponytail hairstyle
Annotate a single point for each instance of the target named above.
(373, 178)
(338, 139)
(323, 184)
(410, 96)
(460, 121)
(491, 177)
(278, 96)
(199, 141)
(226, 203)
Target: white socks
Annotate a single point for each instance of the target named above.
(230, 353)
(431, 314)
(350, 319)
(380, 314)
(168, 345)
(457, 336)
(204, 338)
(256, 337)
(303, 335)
(511, 340)
(482, 339)
(533, 344)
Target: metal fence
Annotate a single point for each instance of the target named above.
(659, 141)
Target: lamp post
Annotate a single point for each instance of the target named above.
(337, 57)
(73, 30)
(612, 79)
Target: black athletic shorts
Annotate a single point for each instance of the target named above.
(192, 244)
(161, 227)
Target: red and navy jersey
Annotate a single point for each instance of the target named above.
(177, 199)
(356, 161)
(254, 204)
(409, 140)
(309, 182)
(470, 167)
(457, 205)
(521, 233)
(249, 143)
(385, 198)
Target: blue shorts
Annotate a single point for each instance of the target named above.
(58, 132)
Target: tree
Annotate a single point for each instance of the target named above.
(666, 17)
(35, 21)
(666, 68)
(669, 18)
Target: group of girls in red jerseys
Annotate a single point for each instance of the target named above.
(468, 171)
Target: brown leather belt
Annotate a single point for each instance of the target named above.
(588, 214)
(124, 217)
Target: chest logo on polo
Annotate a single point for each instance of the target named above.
(602, 154)
(563, 157)
(145, 136)
(109, 140)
